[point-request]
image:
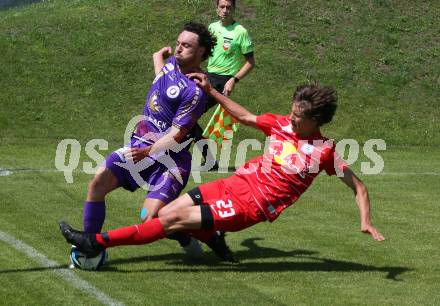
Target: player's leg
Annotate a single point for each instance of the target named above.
(165, 191)
(187, 218)
(201, 211)
(155, 229)
(209, 207)
(177, 204)
(165, 185)
(102, 183)
(231, 208)
(207, 232)
(109, 177)
(151, 208)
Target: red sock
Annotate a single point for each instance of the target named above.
(135, 234)
(203, 235)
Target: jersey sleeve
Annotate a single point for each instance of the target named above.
(266, 121)
(246, 44)
(190, 109)
(334, 164)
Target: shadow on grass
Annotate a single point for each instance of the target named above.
(307, 261)
(295, 260)
(36, 269)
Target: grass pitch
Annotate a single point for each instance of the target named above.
(314, 253)
(80, 69)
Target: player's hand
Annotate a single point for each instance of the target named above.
(369, 229)
(201, 80)
(136, 154)
(165, 52)
(229, 87)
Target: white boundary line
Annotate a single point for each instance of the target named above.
(409, 173)
(66, 274)
(11, 171)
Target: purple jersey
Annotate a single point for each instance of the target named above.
(173, 100)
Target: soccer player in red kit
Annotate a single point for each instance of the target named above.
(261, 189)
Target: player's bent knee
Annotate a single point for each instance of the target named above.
(96, 185)
(165, 210)
(171, 218)
(101, 184)
(162, 212)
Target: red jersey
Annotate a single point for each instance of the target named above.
(288, 167)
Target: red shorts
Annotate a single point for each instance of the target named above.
(231, 203)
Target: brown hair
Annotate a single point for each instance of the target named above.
(233, 2)
(206, 39)
(318, 102)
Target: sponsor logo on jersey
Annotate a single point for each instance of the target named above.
(169, 66)
(153, 104)
(271, 209)
(286, 154)
(173, 91)
(307, 149)
(182, 84)
(172, 76)
(227, 43)
(158, 123)
(196, 99)
(283, 152)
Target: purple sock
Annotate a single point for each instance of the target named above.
(94, 215)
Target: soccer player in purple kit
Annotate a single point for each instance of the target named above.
(173, 105)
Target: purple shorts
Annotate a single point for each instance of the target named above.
(163, 182)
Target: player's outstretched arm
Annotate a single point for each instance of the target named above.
(236, 110)
(363, 202)
(159, 58)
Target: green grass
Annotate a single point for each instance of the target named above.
(314, 253)
(81, 69)
(61, 60)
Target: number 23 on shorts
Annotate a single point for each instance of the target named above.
(223, 209)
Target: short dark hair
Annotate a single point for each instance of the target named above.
(233, 2)
(206, 39)
(319, 102)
